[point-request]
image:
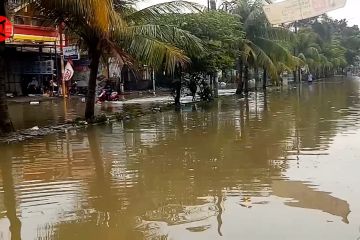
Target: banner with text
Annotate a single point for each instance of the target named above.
(71, 52)
(69, 72)
(294, 10)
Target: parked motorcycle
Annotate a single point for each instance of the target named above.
(108, 95)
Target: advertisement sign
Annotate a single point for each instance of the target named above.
(69, 72)
(71, 52)
(6, 28)
(294, 10)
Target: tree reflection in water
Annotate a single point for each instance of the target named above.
(9, 194)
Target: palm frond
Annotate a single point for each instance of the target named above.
(246, 50)
(263, 59)
(157, 10)
(273, 49)
(283, 67)
(96, 12)
(156, 53)
(312, 52)
(302, 57)
(280, 34)
(169, 34)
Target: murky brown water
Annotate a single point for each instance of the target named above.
(281, 166)
(52, 112)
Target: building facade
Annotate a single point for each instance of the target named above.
(32, 52)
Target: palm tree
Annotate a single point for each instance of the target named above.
(336, 54)
(115, 26)
(308, 49)
(125, 32)
(319, 56)
(263, 44)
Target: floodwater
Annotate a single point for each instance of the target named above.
(55, 111)
(281, 166)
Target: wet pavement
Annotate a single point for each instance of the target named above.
(278, 166)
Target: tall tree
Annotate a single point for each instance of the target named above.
(129, 36)
(263, 43)
(220, 33)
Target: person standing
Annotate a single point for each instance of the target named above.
(310, 78)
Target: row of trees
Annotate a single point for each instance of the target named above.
(238, 35)
(178, 37)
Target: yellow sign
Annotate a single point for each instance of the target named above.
(293, 10)
(22, 37)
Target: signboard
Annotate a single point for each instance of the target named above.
(6, 28)
(69, 72)
(293, 10)
(35, 34)
(71, 52)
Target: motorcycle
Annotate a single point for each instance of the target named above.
(108, 95)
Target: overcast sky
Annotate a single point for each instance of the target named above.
(351, 11)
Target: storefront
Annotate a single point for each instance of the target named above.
(33, 60)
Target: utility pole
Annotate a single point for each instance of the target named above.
(216, 84)
(153, 81)
(62, 66)
(212, 5)
(296, 72)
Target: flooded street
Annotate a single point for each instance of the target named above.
(55, 111)
(284, 165)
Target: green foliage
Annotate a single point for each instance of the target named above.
(197, 81)
(324, 37)
(264, 45)
(220, 33)
(326, 45)
(102, 118)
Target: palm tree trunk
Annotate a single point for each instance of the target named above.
(240, 85)
(257, 77)
(246, 78)
(5, 122)
(264, 79)
(94, 53)
(177, 93)
(216, 85)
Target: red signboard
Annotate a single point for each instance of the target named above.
(6, 28)
(35, 30)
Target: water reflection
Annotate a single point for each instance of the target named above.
(9, 199)
(305, 196)
(188, 175)
(47, 113)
